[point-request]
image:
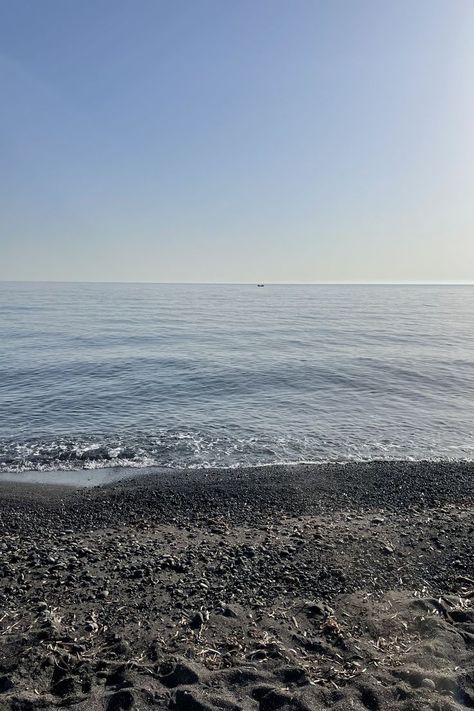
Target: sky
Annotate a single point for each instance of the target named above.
(241, 141)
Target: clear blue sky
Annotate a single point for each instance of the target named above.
(236, 140)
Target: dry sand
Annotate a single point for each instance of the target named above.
(315, 587)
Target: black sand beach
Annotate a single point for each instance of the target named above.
(313, 587)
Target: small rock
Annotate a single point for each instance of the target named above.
(316, 609)
(182, 673)
(5, 684)
(196, 621)
(121, 701)
(122, 647)
(428, 683)
(64, 687)
(292, 674)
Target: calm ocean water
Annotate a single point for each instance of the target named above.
(100, 375)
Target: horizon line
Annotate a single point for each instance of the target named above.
(241, 283)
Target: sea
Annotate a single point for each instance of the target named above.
(189, 375)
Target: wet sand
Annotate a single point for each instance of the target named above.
(312, 587)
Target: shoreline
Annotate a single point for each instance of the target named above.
(103, 476)
(71, 477)
(294, 588)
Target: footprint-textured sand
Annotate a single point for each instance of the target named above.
(306, 589)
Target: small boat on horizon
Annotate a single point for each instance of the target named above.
(260, 285)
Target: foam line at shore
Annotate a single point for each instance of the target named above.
(74, 478)
(89, 478)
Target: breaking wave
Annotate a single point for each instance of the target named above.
(185, 449)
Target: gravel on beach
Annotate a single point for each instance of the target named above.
(347, 587)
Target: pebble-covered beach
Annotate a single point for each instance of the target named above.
(294, 588)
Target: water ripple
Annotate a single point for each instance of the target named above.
(95, 375)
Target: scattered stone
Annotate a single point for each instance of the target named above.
(6, 684)
(196, 621)
(64, 687)
(263, 648)
(316, 609)
(292, 675)
(121, 701)
(182, 673)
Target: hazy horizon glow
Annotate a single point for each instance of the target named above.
(311, 141)
(240, 283)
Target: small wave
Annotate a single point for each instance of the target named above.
(185, 449)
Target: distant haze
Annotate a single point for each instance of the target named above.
(263, 140)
